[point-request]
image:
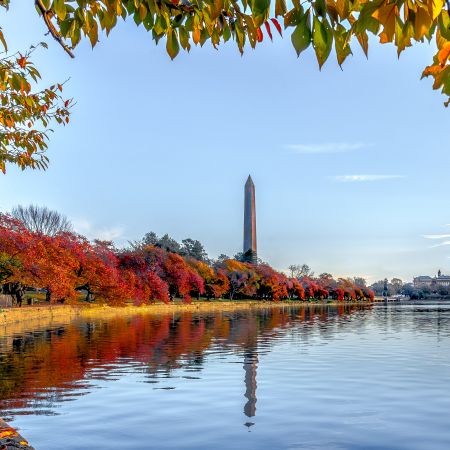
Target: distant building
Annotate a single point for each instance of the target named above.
(432, 282)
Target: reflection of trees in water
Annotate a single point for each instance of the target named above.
(56, 364)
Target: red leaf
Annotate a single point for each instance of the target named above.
(269, 32)
(260, 34)
(277, 26)
(22, 61)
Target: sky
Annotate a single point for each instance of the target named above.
(350, 166)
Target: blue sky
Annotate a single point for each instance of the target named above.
(350, 167)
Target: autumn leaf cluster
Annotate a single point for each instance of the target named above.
(25, 113)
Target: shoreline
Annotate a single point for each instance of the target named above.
(11, 439)
(37, 316)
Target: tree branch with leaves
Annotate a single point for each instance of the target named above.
(25, 114)
(320, 24)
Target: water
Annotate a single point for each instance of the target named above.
(301, 378)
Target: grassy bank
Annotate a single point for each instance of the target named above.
(38, 316)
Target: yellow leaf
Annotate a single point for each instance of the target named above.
(435, 7)
(118, 8)
(7, 433)
(386, 15)
(422, 23)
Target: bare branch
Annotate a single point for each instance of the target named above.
(47, 15)
(42, 220)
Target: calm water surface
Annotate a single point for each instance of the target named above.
(301, 378)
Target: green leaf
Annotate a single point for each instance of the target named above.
(293, 17)
(59, 8)
(184, 38)
(260, 10)
(301, 37)
(172, 46)
(160, 25)
(75, 36)
(65, 27)
(320, 7)
(148, 22)
(444, 24)
(226, 32)
(46, 3)
(341, 43)
(365, 20)
(322, 40)
(204, 36)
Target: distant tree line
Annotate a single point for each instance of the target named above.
(397, 287)
(39, 251)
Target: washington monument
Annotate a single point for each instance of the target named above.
(250, 253)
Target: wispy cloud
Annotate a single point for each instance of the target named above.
(441, 244)
(89, 230)
(327, 147)
(363, 178)
(443, 237)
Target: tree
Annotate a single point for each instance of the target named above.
(378, 287)
(150, 238)
(221, 258)
(325, 279)
(396, 286)
(299, 271)
(182, 280)
(295, 289)
(41, 220)
(359, 281)
(294, 269)
(146, 285)
(271, 284)
(319, 24)
(169, 244)
(242, 278)
(215, 281)
(193, 249)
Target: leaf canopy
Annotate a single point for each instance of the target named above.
(326, 24)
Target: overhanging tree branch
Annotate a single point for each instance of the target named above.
(47, 14)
